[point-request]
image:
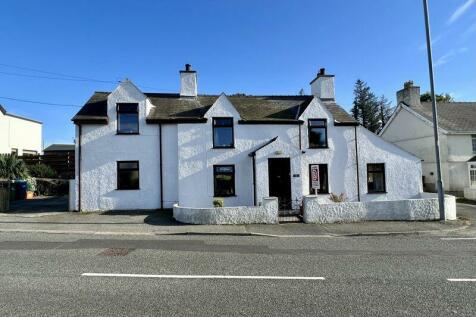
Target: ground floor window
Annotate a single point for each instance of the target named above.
(472, 175)
(128, 175)
(224, 180)
(319, 171)
(376, 178)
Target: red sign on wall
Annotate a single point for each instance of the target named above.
(315, 182)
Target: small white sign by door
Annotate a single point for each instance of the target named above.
(315, 182)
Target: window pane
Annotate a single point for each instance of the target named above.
(323, 179)
(128, 165)
(128, 179)
(127, 107)
(128, 123)
(317, 123)
(224, 181)
(317, 137)
(223, 121)
(375, 178)
(474, 143)
(223, 137)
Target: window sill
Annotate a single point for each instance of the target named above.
(122, 189)
(227, 196)
(376, 193)
(119, 133)
(222, 147)
(318, 147)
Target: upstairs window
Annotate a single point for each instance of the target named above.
(223, 133)
(376, 178)
(322, 183)
(317, 133)
(128, 175)
(473, 140)
(127, 118)
(224, 180)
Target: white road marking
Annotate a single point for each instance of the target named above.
(461, 279)
(458, 238)
(230, 277)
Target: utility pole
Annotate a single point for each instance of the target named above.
(439, 184)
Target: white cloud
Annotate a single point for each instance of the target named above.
(460, 11)
(469, 30)
(450, 55)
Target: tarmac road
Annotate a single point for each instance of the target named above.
(43, 274)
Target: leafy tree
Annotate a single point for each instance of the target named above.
(384, 111)
(42, 171)
(11, 167)
(426, 97)
(365, 107)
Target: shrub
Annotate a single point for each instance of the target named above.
(52, 187)
(42, 171)
(11, 167)
(337, 198)
(218, 202)
(31, 184)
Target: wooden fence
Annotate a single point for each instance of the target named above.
(61, 162)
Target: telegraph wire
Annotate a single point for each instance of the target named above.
(41, 102)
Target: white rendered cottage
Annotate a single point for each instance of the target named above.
(137, 150)
(411, 128)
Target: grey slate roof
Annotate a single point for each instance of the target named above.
(59, 147)
(457, 117)
(172, 107)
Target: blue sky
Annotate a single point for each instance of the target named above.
(250, 46)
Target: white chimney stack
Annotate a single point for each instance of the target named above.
(188, 82)
(323, 85)
(410, 94)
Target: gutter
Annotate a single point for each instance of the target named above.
(79, 167)
(357, 162)
(253, 158)
(161, 169)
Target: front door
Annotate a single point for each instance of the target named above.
(279, 174)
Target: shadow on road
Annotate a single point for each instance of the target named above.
(40, 204)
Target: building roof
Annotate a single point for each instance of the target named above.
(4, 111)
(456, 117)
(59, 147)
(473, 159)
(252, 109)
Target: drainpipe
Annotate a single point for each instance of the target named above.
(161, 169)
(300, 145)
(79, 166)
(254, 179)
(357, 162)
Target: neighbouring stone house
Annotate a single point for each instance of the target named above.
(19, 135)
(139, 150)
(411, 128)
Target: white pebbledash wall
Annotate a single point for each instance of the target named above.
(21, 134)
(101, 148)
(196, 159)
(422, 207)
(188, 159)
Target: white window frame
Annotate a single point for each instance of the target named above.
(473, 142)
(472, 168)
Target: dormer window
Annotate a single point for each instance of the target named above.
(317, 133)
(127, 118)
(223, 136)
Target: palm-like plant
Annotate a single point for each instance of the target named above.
(11, 167)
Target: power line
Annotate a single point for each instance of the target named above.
(41, 102)
(65, 77)
(51, 73)
(58, 78)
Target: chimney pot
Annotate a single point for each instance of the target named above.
(410, 94)
(188, 67)
(323, 85)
